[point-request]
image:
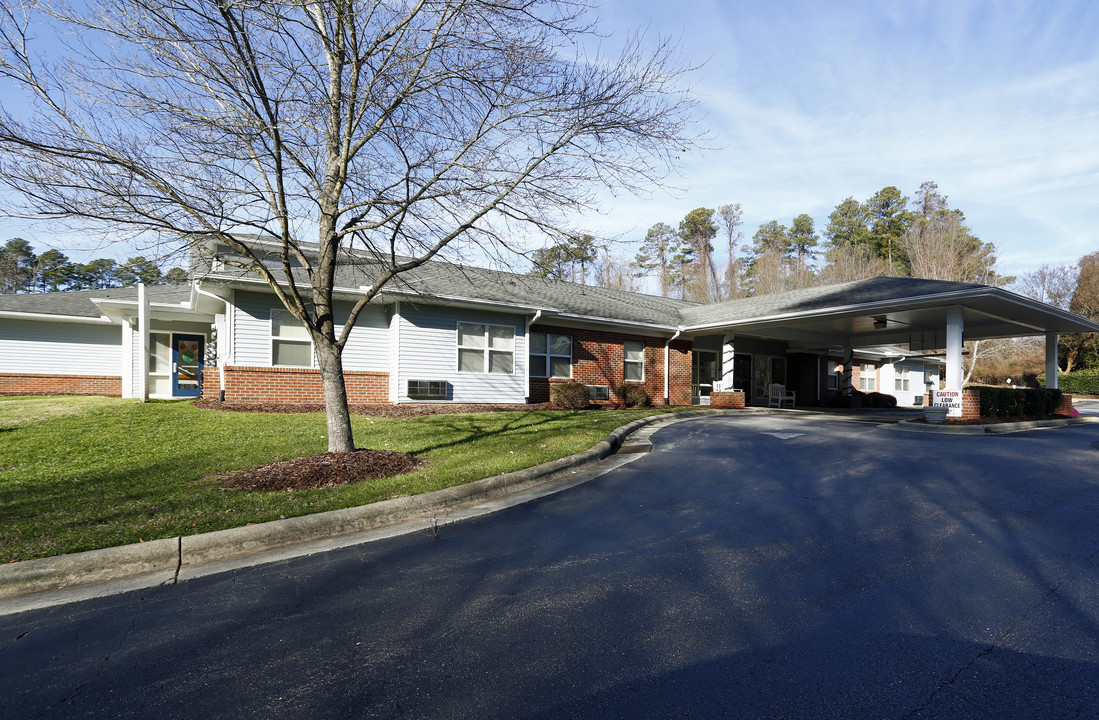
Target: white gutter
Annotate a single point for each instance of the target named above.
(537, 314)
(100, 320)
(667, 369)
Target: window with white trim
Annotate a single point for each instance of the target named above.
(833, 375)
(484, 348)
(901, 377)
(633, 361)
(550, 355)
(868, 379)
(291, 345)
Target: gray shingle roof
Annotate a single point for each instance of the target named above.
(78, 303)
(857, 292)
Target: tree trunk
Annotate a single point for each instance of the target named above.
(329, 357)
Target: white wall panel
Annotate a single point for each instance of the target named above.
(32, 346)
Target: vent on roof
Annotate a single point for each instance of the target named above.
(427, 389)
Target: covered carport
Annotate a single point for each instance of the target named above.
(923, 315)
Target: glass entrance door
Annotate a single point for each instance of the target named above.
(704, 369)
(187, 365)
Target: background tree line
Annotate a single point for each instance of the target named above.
(24, 271)
(889, 233)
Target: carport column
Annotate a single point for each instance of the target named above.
(955, 326)
(727, 358)
(845, 380)
(1051, 361)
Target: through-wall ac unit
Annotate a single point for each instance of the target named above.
(427, 389)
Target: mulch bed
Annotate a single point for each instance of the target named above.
(323, 470)
(379, 410)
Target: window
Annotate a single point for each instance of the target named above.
(290, 343)
(160, 364)
(550, 355)
(901, 375)
(633, 365)
(486, 348)
(868, 379)
(833, 375)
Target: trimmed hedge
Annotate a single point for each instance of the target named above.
(1081, 382)
(570, 395)
(1021, 402)
(634, 396)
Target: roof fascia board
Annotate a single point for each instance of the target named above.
(100, 320)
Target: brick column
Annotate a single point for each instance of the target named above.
(728, 399)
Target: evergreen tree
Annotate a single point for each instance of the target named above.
(17, 264)
(697, 231)
(656, 255)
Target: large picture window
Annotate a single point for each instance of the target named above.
(633, 357)
(290, 342)
(486, 348)
(868, 379)
(550, 355)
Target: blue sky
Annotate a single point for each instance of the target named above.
(811, 102)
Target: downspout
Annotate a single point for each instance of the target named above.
(537, 314)
(667, 358)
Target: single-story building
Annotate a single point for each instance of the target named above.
(450, 333)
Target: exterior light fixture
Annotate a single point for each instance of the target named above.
(879, 323)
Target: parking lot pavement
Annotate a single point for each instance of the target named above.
(765, 565)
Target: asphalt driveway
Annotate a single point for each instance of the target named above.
(771, 565)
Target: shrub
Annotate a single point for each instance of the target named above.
(879, 400)
(1021, 402)
(570, 395)
(634, 396)
(1081, 382)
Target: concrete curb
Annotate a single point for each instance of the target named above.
(160, 561)
(994, 428)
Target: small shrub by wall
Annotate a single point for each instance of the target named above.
(634, 396)
(570, 395)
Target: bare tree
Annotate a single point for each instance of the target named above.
(851, 262)
(617, 273)
(731, 217)
(391, 128)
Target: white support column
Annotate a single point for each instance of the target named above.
(141, 347)
(955, 328)
(845, 380)
(727, 359)
(1051, 361)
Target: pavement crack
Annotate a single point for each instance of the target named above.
(948, 683)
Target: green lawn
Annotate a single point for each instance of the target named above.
(83, 473)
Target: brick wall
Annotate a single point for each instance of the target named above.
(1065, 406)
(971, 404)
(291, 385)
(597, 359)
(33, 384)
(728, 399)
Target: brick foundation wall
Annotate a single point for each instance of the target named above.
(1065, 406)
(35, 384)
(728, 399)
(597, 360)
(971, 404)
(291, 385)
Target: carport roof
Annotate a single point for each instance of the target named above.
(913, 310)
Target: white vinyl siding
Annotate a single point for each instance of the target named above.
(550, 355)
(429, 351)
(43, 347)
(633, 361)
(366, 349)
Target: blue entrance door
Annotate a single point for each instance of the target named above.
(187, 365)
